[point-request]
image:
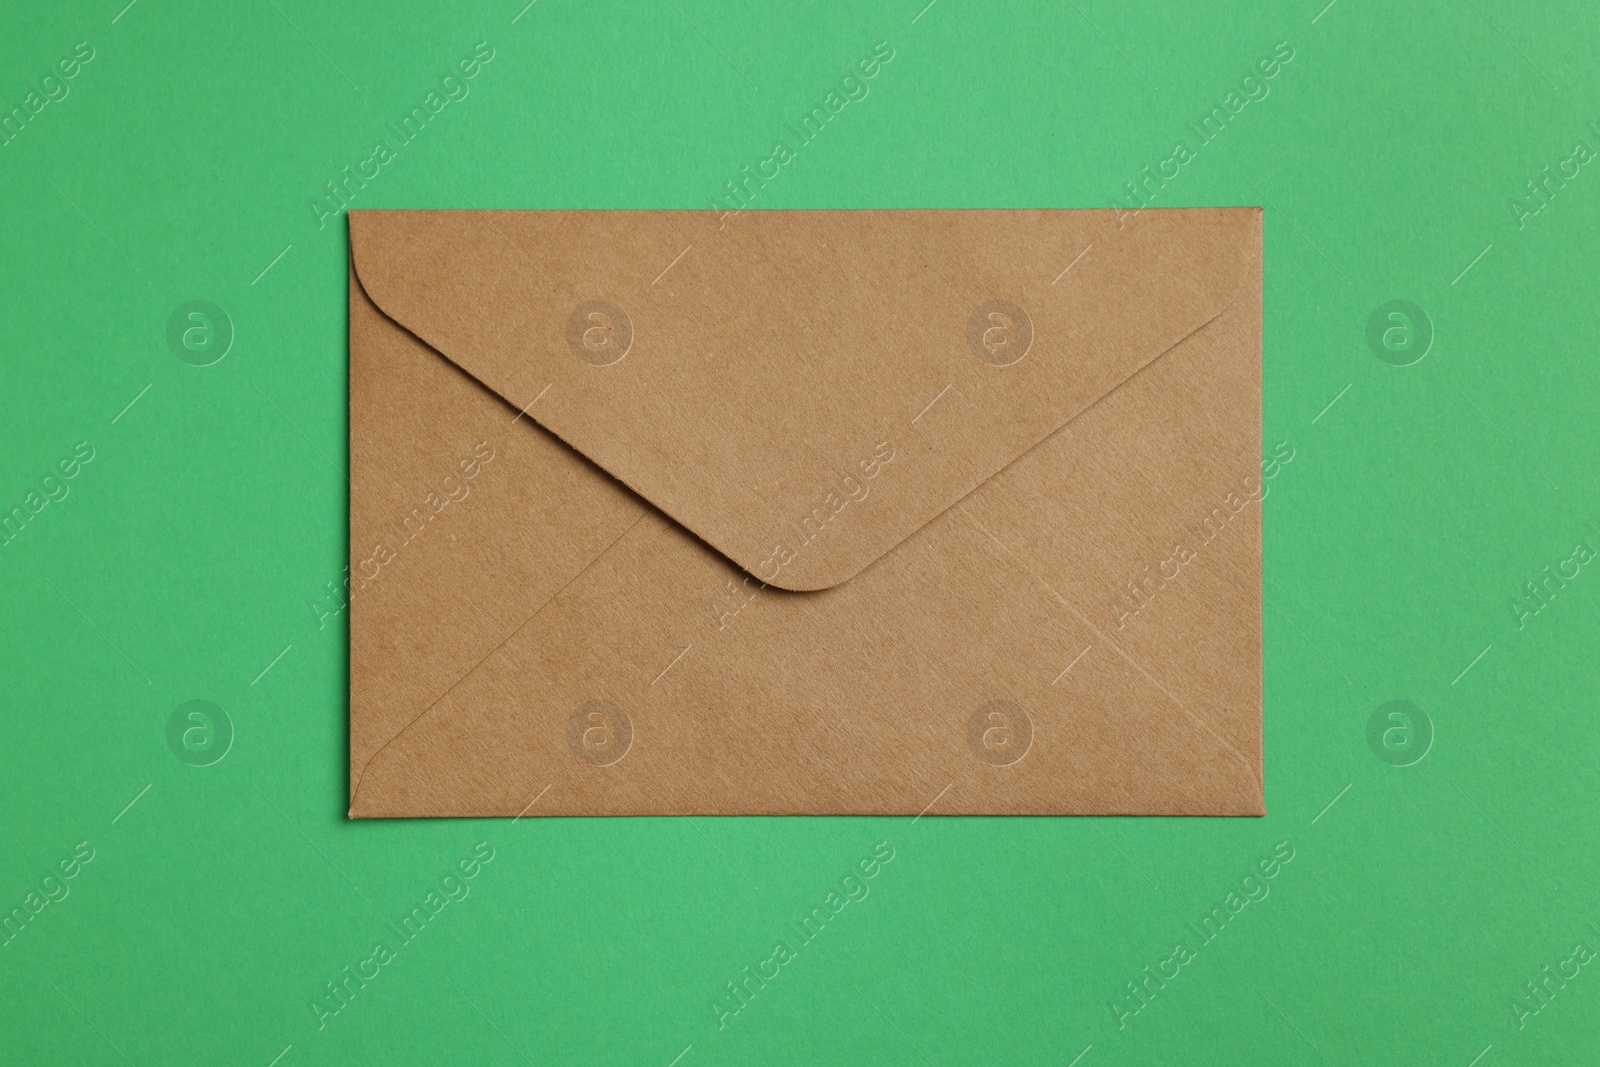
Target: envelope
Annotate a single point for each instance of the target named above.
(805, 512)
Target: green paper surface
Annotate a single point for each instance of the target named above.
(173, 647)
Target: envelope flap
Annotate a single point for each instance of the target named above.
(803, 389)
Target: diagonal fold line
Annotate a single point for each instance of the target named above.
(1253, 770)
(474, 668)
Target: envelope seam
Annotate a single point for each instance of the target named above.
(355, 792)
(1245, 763)
(964, 497)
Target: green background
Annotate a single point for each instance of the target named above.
(189, 550)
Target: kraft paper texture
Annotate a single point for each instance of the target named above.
(842, 512)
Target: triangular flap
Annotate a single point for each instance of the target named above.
(803, 389)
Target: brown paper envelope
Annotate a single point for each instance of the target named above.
(805, 512)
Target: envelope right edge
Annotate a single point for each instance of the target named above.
(1163, 485)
